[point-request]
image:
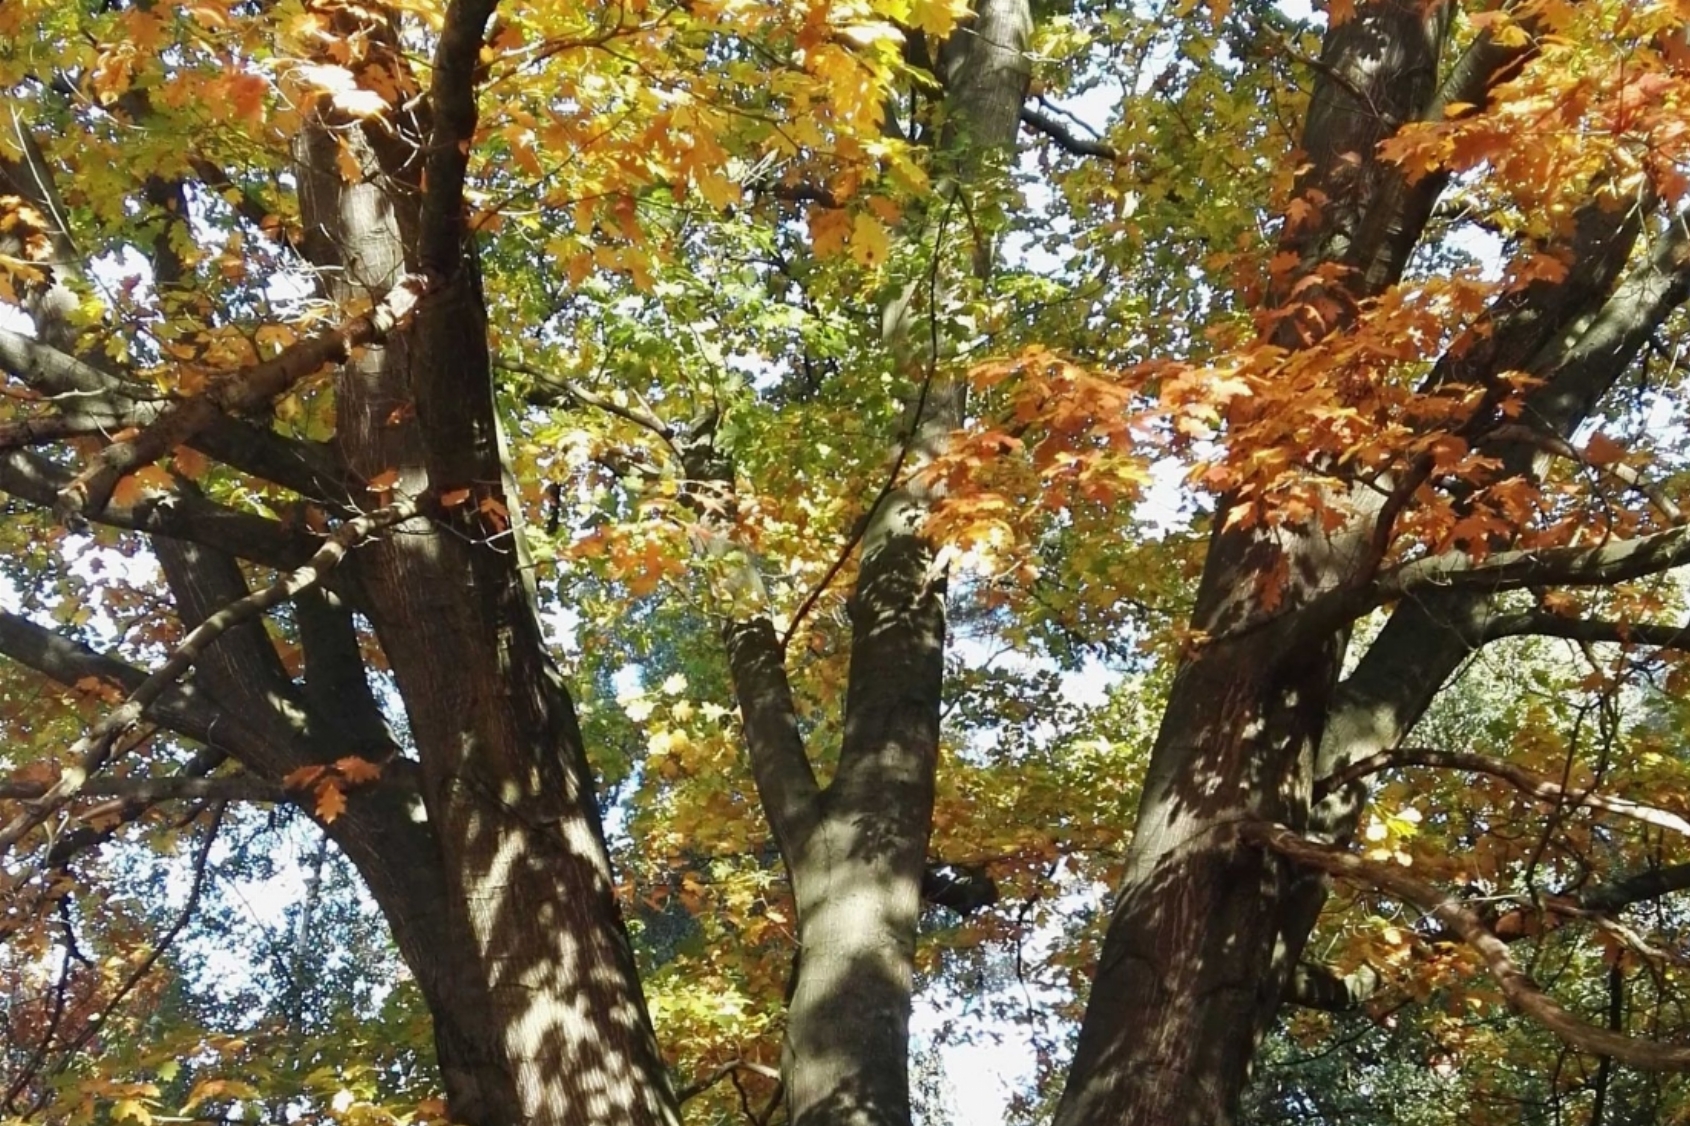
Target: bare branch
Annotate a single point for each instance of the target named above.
(1526, 781)
(152, 790)
(699, 1086)
(201, 856)
(1517, 986)
(1066, 139)
(95, 749)
(1557, 446)
(553, 386)
(1540, 623)
(1602, 565)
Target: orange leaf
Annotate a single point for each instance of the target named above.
(451, 498)
(358, 771)
(331, 803)
(1603, 450)
(829, 228)
(383, 481)
(303, 777)
(190, 463)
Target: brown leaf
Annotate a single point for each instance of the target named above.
(331, 803)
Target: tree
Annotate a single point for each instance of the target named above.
(687, 318)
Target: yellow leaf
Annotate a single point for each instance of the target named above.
(869, 240)
(131, 1109)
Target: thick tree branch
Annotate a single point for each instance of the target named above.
(183, 513)
(180, 708)
(1526, 781)
(94, 750)
(1541, 623)
(336, 688)
(1066, 139)
(1320, 987)
(193, 784)
(1640, 887)
(1517, 986)
(150, 790)
(452, 100)
(1602, 565)
(91, 400)
(243, 390)
(963, 888)
(786, 782)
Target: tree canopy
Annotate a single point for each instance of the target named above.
(578, 563)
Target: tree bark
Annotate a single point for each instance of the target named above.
(1205, 937)
(856, 851)
(557, 1030)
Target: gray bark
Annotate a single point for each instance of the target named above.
(1205, 938)
(856, 851)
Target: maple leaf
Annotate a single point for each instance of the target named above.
(830, 227)
(870, 242)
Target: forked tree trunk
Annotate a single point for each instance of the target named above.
(856, 851)
(1194, 961)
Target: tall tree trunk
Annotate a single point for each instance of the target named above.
(856, 851)
(1206, 932)
(557, 1028)
(1187, 977)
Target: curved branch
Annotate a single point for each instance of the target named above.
(242, 390)
(182, 513)
(1526, 781)
(1517, 986)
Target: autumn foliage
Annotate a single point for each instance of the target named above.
(578, 563)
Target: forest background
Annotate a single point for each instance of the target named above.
(610, 502)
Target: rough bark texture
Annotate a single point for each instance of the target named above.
(856, 851)
(556, 1027)
(495, 879)
(1206, 934)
